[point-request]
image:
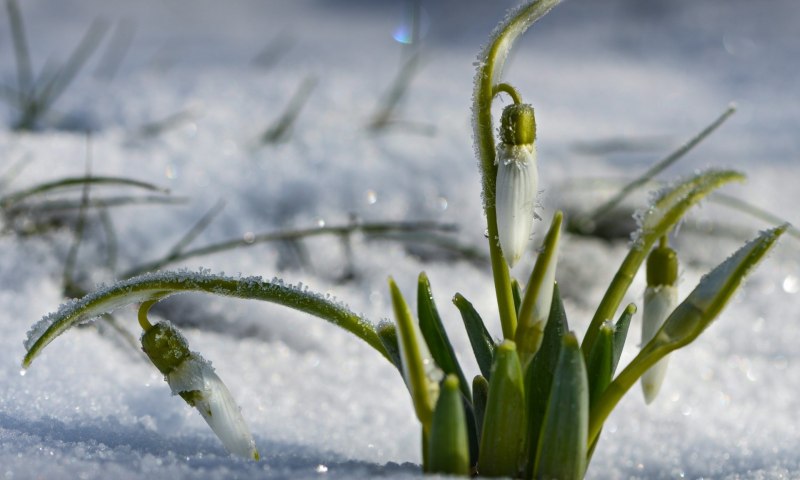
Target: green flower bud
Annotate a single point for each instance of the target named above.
(193, 379)
(662, 266)
(165, 347)
(518, 125)
(660, 299)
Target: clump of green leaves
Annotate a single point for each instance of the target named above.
(538, 407)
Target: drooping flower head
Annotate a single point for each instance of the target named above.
(193, 378)
(660, 299)
(517, 180)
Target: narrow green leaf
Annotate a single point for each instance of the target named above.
(618, 342)
(562, 445)
(473, 434)
(621, 334)
(156, 286)
(600, 363)
(535, 309)
(516, 293)
(480, 395)
(448, 445)
(387, 333)
(430, 324)
(503, 432)
(539, 377)
(482, 344)
(412, 354)
(688, 321)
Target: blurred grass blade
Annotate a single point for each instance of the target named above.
(88, 44)
(503, 432)
(21, 51)
(68, 282)
(482, 344)
(13, 171)
(112, 244)
(59, 205)
(170, 122)
(688, 321)
(279, 131)
(430, 324)
(535, 309)
(197, 229)
(448, 444)
(752, 210)
(385, 116)
(70, 182)
(117, 49)
(376, 228)
(562, 444)
(273, 52)
(160, 285)
(587, 223)
(539, 377)
(667, 210)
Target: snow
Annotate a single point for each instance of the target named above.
(318, 401)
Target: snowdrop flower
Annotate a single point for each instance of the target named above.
(660, 299)
(193, 378)
(517, 180)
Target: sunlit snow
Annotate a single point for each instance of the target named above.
(616, 85)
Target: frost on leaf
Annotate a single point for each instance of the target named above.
(669, 204)
(156, 286)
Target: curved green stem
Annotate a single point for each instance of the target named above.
(493, 59)
(144, 322)
(154, 287)
(509, 90)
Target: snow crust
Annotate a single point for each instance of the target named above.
(615, 85)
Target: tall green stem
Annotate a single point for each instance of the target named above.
(487, 76)
(484, 136)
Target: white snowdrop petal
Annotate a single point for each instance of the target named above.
(201, 387)
(659, 302)
(517, 184)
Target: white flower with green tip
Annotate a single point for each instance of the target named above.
(660, 299)
(517, 181)
(193, 378)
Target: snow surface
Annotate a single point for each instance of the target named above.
(319, 402)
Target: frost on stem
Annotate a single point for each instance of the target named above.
(489, 69)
